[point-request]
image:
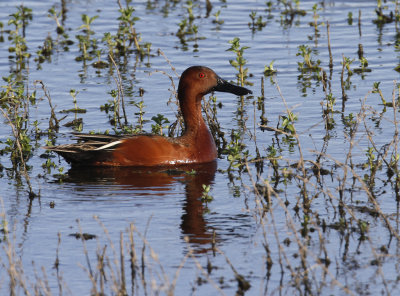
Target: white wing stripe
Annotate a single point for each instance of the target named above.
(108, 145)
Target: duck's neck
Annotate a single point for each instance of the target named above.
(191, 111)
(196, 132)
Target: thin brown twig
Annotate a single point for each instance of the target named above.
(118, 81)
(329, 45)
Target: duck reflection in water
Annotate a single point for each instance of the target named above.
(193, 224)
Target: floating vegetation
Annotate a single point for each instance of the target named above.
(217, 20)
(256, 23)
(270, 70)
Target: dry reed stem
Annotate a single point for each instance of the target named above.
(302, 247)
(329, 45)
(57, 266)
(352, 214)
(54, 123)
(116, 275)
(122, 264)
(159, 51)
(173, 90)
(133, 258)
(345, 166)
(202, 270)
(121, 101)
(13, 266)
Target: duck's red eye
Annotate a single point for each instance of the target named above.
(202, 75)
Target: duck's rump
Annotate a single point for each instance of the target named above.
(88, 149)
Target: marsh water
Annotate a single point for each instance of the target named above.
(274, 225)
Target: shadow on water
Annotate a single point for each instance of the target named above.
(157, 181)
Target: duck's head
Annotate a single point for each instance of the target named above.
(200, 80)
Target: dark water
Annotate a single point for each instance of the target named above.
(165, 206)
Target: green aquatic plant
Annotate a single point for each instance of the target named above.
(328, 104)
(288, 121)
(269, 5)
(346, 83)
(235, 150)
(315, 23)
(44, 53)
(364, 63)
(4, 227)
(273, 156)
(196, 38)
(372, 164)
(381, 17)
(110, 42)
(350, 123)
(308, 63)
(160, 121)
(187, 26)
(363, 229)
(140, 114)
(349, 120)
(269, 69)
(76, 123)
(112, 106)
(147, 46)
(73, 94)
(55, 15)
(330, 101)
(290, 11)
(189, 9)
(261, 106)
(126, 34)
(86, 26)
(350, 18)
(48, 165)
(85, 42)
(256, 23)
(347, 62)
(240, 62)
(217, 20)
(182, 31)
(99, 64)
(377, 90)
(19, 20)
(14, 106)
(205, 195)
(62, 38)
(370, 158)
(363, 67)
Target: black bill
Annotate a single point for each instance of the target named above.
(225, 86)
